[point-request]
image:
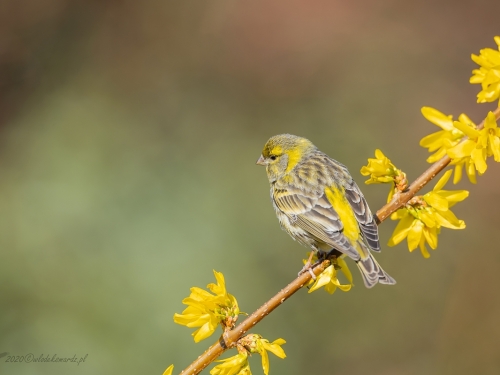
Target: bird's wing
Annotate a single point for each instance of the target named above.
(314, 213)
(363, 214)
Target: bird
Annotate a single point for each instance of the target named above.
(320, 206)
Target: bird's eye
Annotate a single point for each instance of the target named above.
(273, 157)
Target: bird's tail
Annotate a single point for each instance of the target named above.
(373, 273)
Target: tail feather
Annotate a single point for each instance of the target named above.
(373, 273)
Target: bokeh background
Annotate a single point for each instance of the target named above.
(128, 140)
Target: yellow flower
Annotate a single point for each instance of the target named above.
(169, 370)
(381, 170)
(274, 347)
(422, 218)
(444, 139)
(479, 145)
(235, 365)
(488, 74)
(470, 169)
(328, 278)
(206, 310)
(256, 344)
(490, 137)
(415, 231)
(252, 343)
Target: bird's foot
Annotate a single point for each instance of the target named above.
(307, 267)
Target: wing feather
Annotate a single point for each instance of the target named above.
(361, 210)
(314, 214)
(363, 216)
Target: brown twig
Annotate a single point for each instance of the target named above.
(230, 338)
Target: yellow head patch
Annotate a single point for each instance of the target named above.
(295, 147)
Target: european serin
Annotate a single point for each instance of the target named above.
(319, 204)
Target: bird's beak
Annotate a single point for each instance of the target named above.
(261, 161)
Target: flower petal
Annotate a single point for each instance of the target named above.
(275, 348)
(427, 218)
(437, 118)
(430, 235)
(467, 130)
(345, 269)
(391, 194)
(478, 156)
(401, 230)
(330, 288)
(220, 287)
(436, 201)
(435, 140)
(463, 118)
(490, 122)
(437, 155)
(495, 147)
(343, 287)
(169, 370)
(415, 234)
(203, 332)
(265, 361)
(454, 196)
(461, 150)
(458, 173)
(423, 249)
(237, 364)
(448, 219)
(323, 278)
(191, 320)
(497, 41)
(379, 154)
(470, 169)
(443, 180)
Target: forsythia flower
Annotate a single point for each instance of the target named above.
(488, 75)
(381, 170)
(235, 365)
(479, 145)
(206, 310)
(274, 347)
(441, 140)
(169, 370)
(328, 278)
(468, 165)
(253, 343)
(422, 218)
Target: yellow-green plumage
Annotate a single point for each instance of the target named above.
(319, 204)
(336, 196)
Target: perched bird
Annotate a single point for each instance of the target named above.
(319, 204)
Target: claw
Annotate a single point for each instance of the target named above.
(307, 266)
(313, 276)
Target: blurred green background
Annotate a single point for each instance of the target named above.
(128, 140)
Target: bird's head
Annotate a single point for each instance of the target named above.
(283, 152)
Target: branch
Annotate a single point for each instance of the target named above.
(229, 339)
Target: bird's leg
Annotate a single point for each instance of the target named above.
(307, 266)
(332, 255)
(322, 255)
